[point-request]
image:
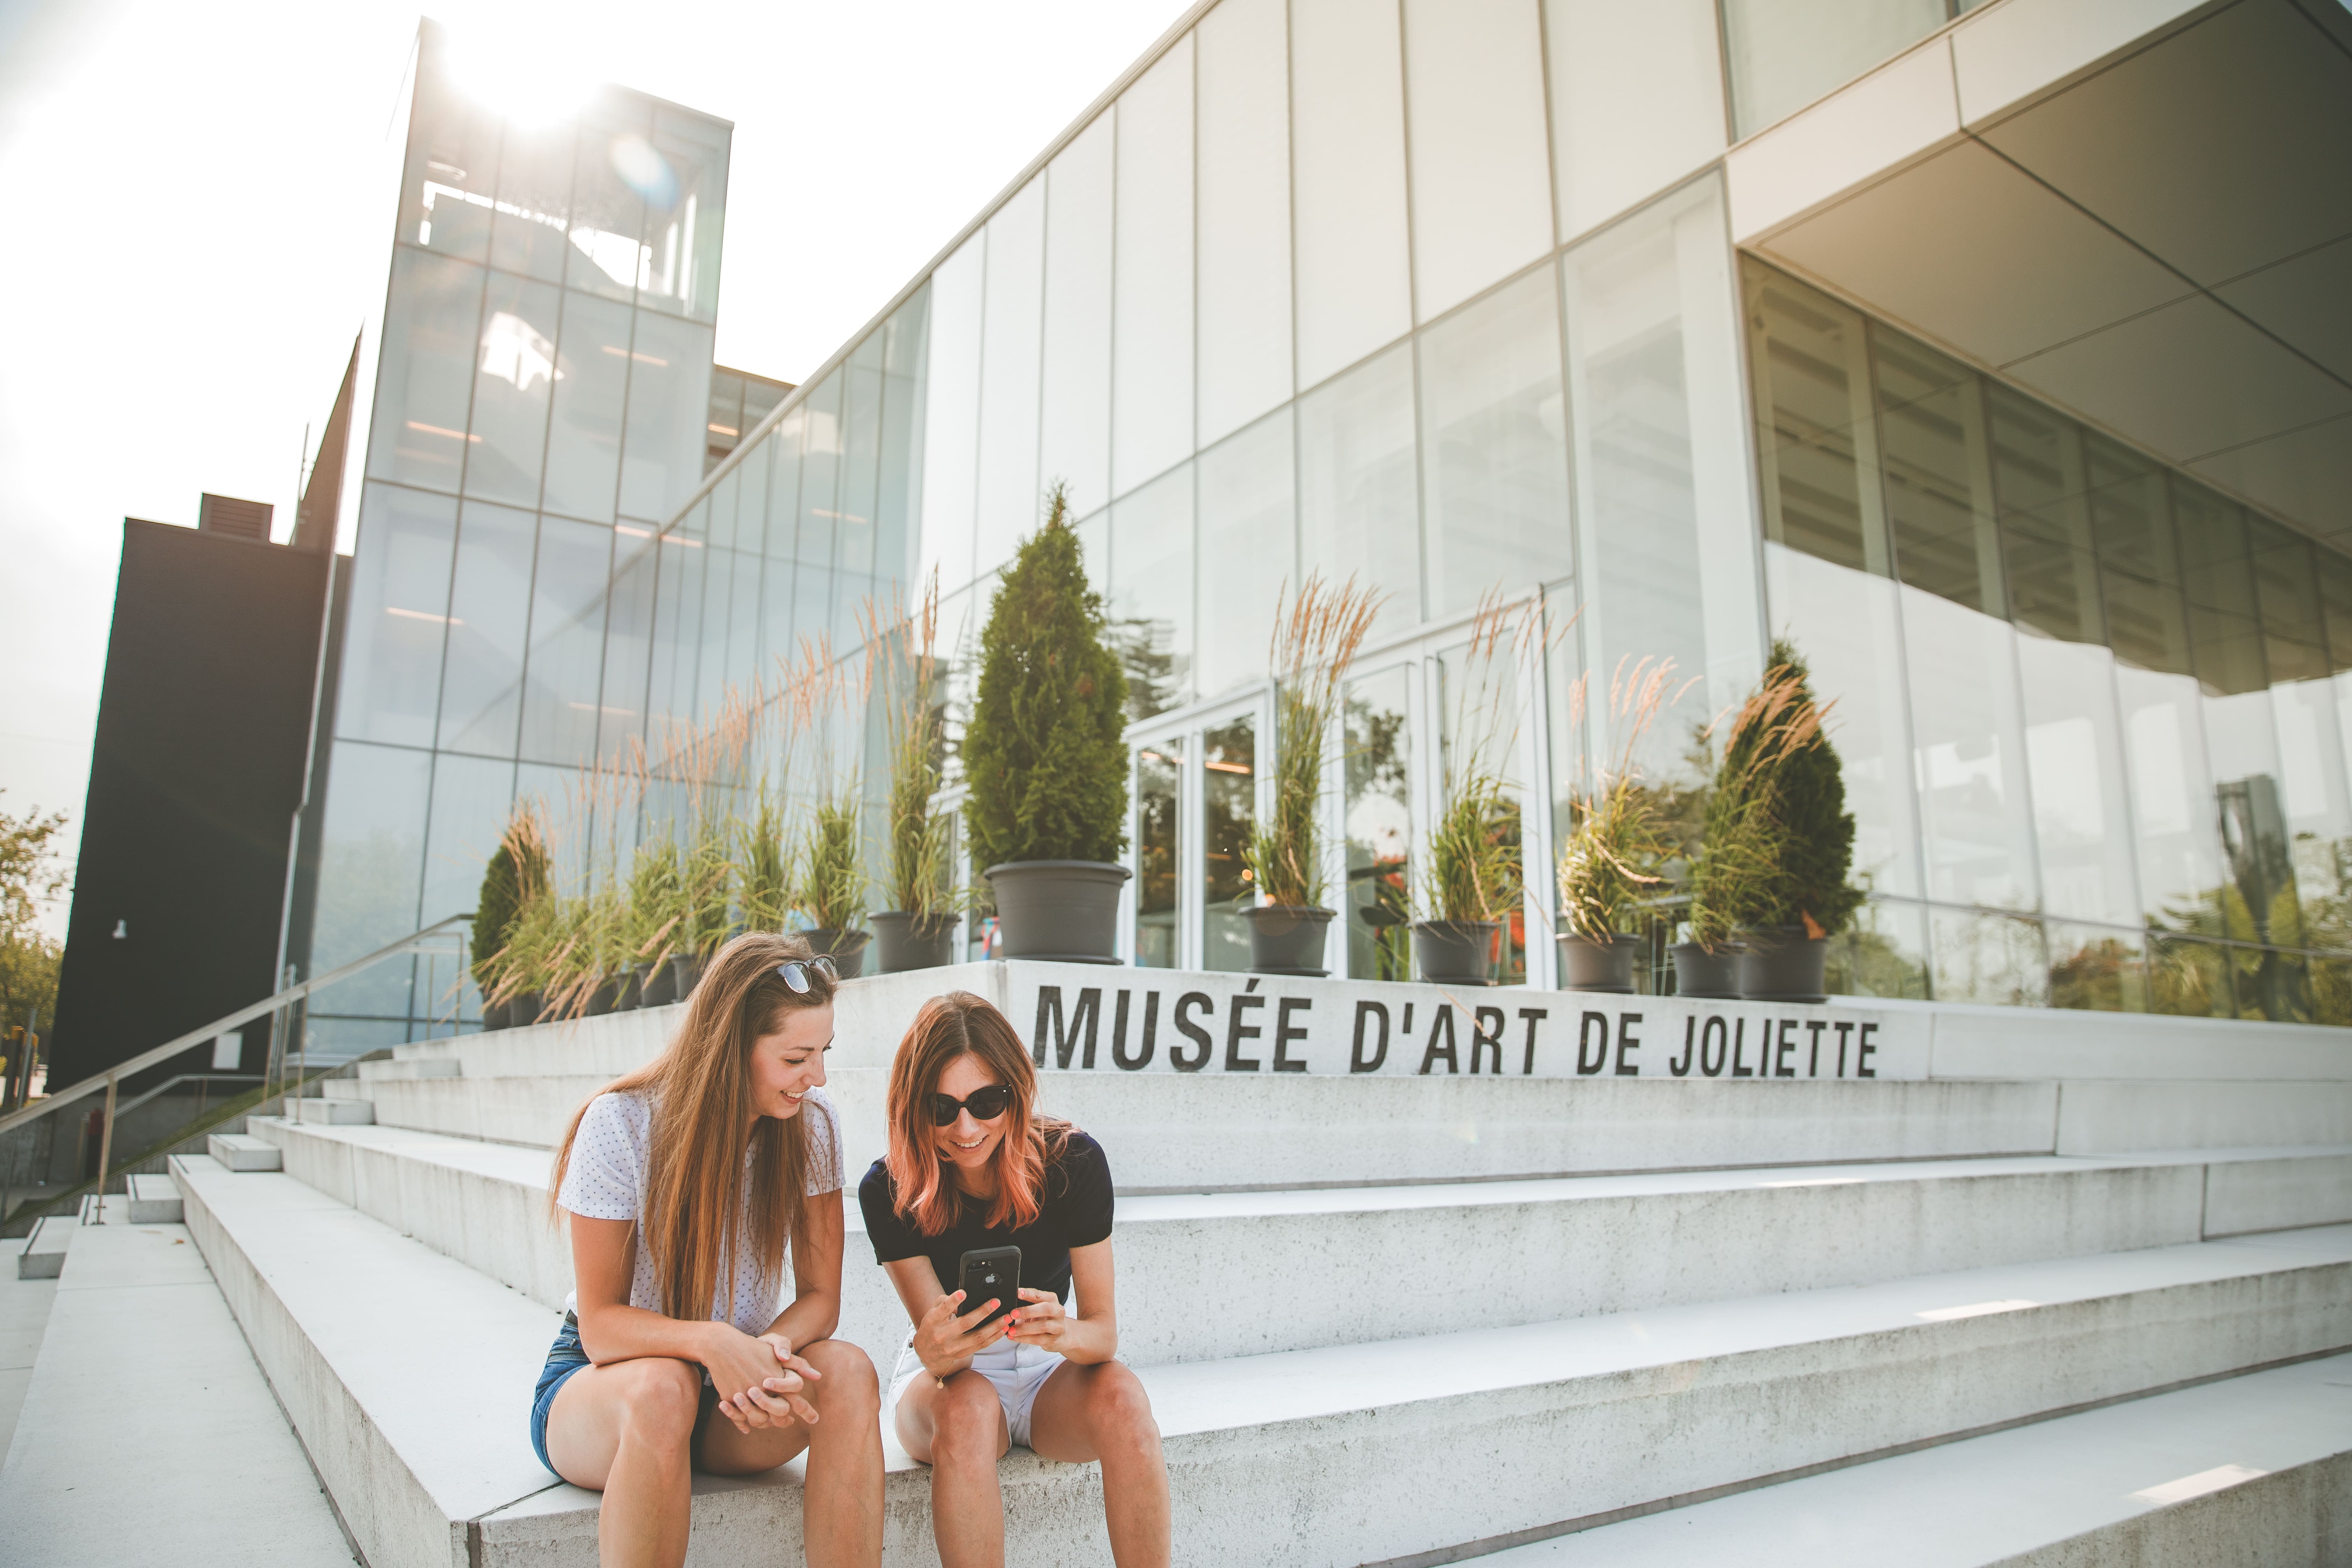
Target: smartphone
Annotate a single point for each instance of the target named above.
(991, 1273)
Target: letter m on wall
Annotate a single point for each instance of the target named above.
(1083, 1018)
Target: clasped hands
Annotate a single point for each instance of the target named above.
(769, 1382)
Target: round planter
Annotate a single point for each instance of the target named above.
(1454, 953)
(1783, 964)
(604, 999)
(1287, 939)
(1588, 965)
(1061, 911)
(494, 1015)
(524, 1010)
(845, 948)
(657, 983)
(903, 942)
(633, 991)
(685, 969)
(1702, 971)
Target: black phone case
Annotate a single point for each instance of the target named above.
(990, 1271)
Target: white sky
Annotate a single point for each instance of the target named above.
(198, 223)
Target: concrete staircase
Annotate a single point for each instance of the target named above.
(1393, 1317)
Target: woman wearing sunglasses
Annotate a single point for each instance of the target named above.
(973, 1165)
(687, 1183)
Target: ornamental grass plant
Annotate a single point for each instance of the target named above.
(1312, 647)
(1614, 845)
(1473, 867)
(905, 670)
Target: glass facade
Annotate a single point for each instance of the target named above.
(1440, 297)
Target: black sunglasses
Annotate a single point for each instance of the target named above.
(795, 972)
(985, 1104)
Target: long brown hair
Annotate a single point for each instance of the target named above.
(700, 1091)
(961, 1023)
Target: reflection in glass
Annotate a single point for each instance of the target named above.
(1496, 446)
(514, 377)
(2259, 902)
(417, 434)
(1979, 956)
(1228, 817)
(453, 163)
(608, 212)
(951, 418)
(470, 798)
(1359, 507)
(1816, 441)
(669, 390)
(481, 683)
(1243, 214)
(1151, 370)
(2045, 519)
(590, 392)
(2180, 848)
(628, 648)
(1074, 427)
(1479, 697)
(2074, 756)
(398, 617)
(1784, 54)
(1938, 494)
(1882, 953)
(1481, 174)
(1248, 550)
(2188, 978)
(1159, 787)
(905, 344)
(1977, 821)
(1378, 822)
(1636, 100)
(1354, 283)
(684, 184)
(1149, 605)
(527, 233)
(371, 865)
(564, 676)
(1010, 493)
(2096, 969)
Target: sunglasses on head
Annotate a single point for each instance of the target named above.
(985, 1104)
(795, 972)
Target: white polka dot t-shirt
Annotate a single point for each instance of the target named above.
(607, 1176)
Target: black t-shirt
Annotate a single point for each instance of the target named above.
(1074, 1210)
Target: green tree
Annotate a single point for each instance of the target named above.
(1780, 783)
(1046, 749)
(29, 875)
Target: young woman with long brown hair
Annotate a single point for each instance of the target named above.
(973, 1166)
(687, 1183)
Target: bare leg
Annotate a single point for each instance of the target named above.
(1101, 1412)
(840, 1510)
(627, 1430)
(959, 1431)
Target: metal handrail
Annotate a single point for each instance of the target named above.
(416, 941)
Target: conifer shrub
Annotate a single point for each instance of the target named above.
(1779, 851)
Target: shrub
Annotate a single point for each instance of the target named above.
(1779, 834)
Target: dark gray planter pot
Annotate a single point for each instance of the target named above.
(1454, 953)
(494, 1015)
(1701, 972)
(524, 1010)
(1783, 964)
(1287, 939)
(605, 998)
(632, 992)
(685, 969)
(845, 948)
(1061, 912)
(1588, 965)
(903, 942)
(657, 983)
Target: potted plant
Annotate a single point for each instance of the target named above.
(517, 872)
(1738, 858)
(524, 962)
(829, 880)
(1471, 881)
(919, 871)
(1615, 843)
(1045, 753)
(705, 874)
(1312, 648)
(1778, 766)
(657, 912)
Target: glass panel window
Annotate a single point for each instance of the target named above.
(1882, 953)
(2224, 627)
(951, 418)
(608, 208)
(453, 167)
(2074, 754)
(481, 684)
(1150, 601)
(1229, 816)
(1938, 489)
(1815, 439)
(1244, 214)
(724, 427)
(2336, 602)
(1479, 697)
(669, 395)
(426, 378)
(1151, 372)
(628, 647)
(2178, 838)
(564, 677)
(527, 233)
(898, 487)
(1481, 173)
(1249, 547)
(1980, 957)
(2286, 587)
(1379, 825)
(398, 617)
(2096, 969)
(1978, 818)
(1008, 375)
(1786, 53)
(590, 394)
(820, 514)
(861, 436)
(1074, 440)
(1636, 101)
(2045, 519)
(471, 796)
(514, 377)
(371, 870)
(1496, 446)
(1159, 803)
(1359, 502)
(2188, 978)
(1347, 131)
(683, 184)
(2139, 564)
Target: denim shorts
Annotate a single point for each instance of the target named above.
(564, 1357)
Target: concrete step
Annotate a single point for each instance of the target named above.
(1357, 1263)
(23, 1319)
(242, 1150)
(153, 1200)
(207, 1474)
(43, 1253)
(404, 1068)
(1557, 1421)
(2250, 1469)
(333, 1110)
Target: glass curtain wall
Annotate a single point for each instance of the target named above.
(543, 392)
(2119, 693)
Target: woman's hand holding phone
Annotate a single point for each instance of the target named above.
(1040, 1321)
(945, 1343)
(766, 1380)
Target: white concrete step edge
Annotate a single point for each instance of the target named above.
(43, 1256)
(333, 1110)
(243, 1152)
(420, 1433)
(2253, 1469)
(1364, 1264)
(154, 1200)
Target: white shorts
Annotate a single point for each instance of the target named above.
(1015, 1370)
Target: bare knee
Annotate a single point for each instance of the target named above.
(966, 1422)
(659, 1401)
(845, 1384)
(1120, 1410)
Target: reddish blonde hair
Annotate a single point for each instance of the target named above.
(701, 1089)
(957, 1024)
